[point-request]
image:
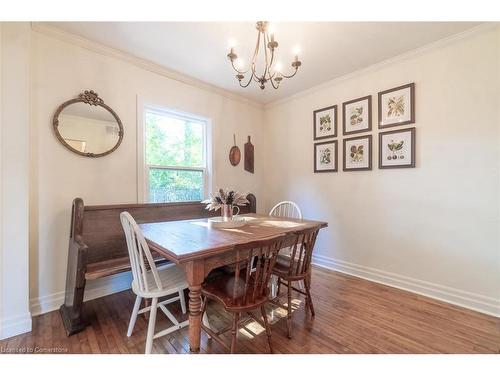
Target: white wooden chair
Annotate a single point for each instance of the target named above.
(291, 210)
(286, 209)
(152, 282)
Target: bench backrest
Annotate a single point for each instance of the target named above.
(100, 229)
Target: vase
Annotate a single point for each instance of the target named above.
(227, 212)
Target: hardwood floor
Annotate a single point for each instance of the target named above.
(352, 316)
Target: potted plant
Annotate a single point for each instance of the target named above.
(226, 201)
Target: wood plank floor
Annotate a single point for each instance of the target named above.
(352, 316)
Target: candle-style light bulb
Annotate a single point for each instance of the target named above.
(296, 62)
(277, 76)
(273, 44)
(239, 63)
(271, 31)
(231, 43)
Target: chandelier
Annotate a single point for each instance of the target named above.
(272, 73)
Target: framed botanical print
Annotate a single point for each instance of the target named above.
(325, 122)
(357, 115)
(358, 153)
(396, 106)
(325, 157)
(396, 149)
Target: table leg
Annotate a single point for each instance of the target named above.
(194, 318)
(195, 275)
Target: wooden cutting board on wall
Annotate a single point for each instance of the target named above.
(249, 156)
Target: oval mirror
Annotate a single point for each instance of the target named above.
(87, 126)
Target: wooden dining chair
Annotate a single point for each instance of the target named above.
(291, 210)
(152, 283)
(245, 289)
(295, 267)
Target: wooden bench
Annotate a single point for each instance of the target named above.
(97, 246)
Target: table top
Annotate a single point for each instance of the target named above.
(186, 240)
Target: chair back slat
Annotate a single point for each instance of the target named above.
(141, 260)
(286, 209)
(250, 284)
(301, 253)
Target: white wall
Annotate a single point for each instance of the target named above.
(62, 70)
(14, 166)
(433, 229)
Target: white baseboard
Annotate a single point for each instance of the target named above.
(473, 301)
(93, 289)
(15, 325)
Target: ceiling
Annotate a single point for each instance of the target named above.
(328, 49)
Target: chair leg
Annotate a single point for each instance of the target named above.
(279, 286)
(308, 296)
(273, 286)
(133, 317)
(289, 315)
(151, 325)
(183, 300)
(268, 328)
(234, 331)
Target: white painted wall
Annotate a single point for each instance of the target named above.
(14, 180)
(62, 70)
(433, 229)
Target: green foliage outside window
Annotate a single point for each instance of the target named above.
(174, 142)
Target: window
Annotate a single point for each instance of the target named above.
(175, 157)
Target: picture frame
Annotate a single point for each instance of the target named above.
(326, 156)
(357, 115)
(325, 123)
(396, 149)
(357, 153)
(396, 106)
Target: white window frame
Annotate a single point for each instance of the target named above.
(143, 168)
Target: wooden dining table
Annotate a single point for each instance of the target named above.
(199, 248)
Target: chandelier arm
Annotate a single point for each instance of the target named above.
(271, 76)
(266, 57)
(271, 63)
(248, 83)
(239, 71)
(272, 59)
(254, 58)
(290, 76)
(272, 84)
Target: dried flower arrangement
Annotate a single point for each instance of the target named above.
(228, 197)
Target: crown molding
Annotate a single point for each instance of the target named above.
(391, 61)
(54, 32)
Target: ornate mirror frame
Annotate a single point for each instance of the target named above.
(91, 98)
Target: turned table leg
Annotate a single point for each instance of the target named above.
(194, 318)
(195, 275)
